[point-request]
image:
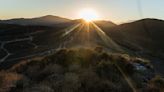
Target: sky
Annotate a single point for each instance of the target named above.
(118, 11)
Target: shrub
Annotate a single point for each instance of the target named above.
(8, 80)
(74, 70)
(156, 85)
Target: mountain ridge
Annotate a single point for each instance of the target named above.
(47, 20)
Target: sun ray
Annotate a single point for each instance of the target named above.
(66, 38)
(80, 28)
(128, 79)
(87, 34)
(67, 31)
(72, 28)
(108, 41)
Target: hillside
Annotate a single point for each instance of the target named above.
(36, 40)
(105, 24)
(81, 70)
(145, 34)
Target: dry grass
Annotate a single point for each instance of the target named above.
(74, 70)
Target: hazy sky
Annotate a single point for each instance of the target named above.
(114, 10)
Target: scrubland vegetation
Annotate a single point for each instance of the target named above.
(81, 70)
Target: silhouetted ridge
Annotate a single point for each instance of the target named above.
(145, 34)
(48, 20)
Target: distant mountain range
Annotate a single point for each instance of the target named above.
(48, 20)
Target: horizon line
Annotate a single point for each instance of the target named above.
(32, 17)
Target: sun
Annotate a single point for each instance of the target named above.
(88, 14)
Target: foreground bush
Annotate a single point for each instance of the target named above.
(80, 70)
